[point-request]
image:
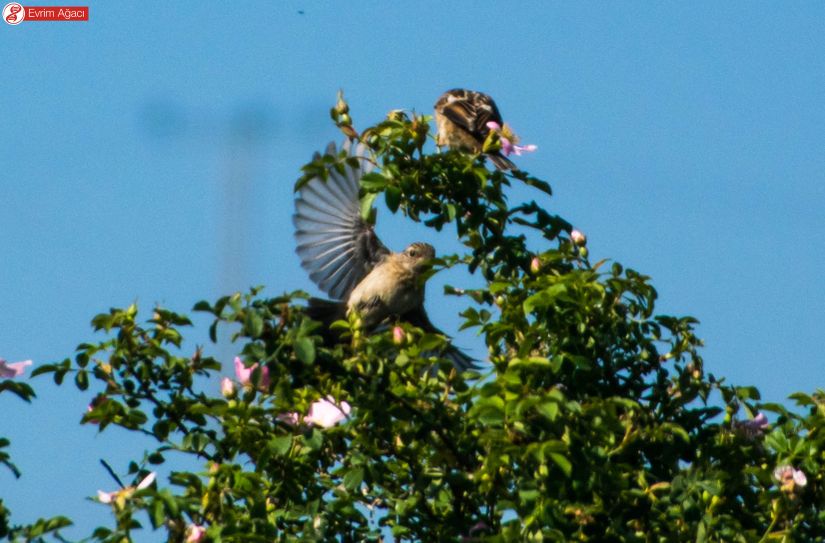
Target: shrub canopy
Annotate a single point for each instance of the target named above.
(592, 419)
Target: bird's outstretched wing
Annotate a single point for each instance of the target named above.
(336, 246)
(418, 317)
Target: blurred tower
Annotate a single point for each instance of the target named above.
(247, 132)
(239, 142)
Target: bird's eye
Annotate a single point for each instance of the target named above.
(413, 252)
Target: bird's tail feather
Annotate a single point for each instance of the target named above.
(461, 360)
(502, 162)
(326, 312)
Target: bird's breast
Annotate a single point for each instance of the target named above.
(389, 289)
(453, 136)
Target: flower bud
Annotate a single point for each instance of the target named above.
(98, 400)
(578, 238)
(341, 106)
(227, 387)
(535, 265)
(398, 335)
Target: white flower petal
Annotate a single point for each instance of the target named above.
(105, 497)
(148, 480)
(799, 478)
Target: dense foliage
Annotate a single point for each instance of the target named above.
(593, 418)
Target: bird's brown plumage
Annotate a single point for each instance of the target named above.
(346, 259)
(461, 117)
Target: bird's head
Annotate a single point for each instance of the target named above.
(419, 255)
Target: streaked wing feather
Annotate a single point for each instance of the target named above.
(502, 162)
(469, 110)
(335, 245)
(462, 114)
(485, 111)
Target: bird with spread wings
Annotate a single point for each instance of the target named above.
(345, 258)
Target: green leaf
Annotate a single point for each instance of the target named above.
(254, 324)
(81, 379)
(529, 495)
(550, 410)
(373, 182)
(530, 362)
(366, 206)
(490, 410)
(779, 442)
(498, 286)
(202, 305)
(353, 478)
(544, 298)
(158, 513)
(562, 462)
(305, 350)
(315, 439)
(392, 195)
(171, 503)
(280, 445)
(21, 390)
(451, 212)
(802, 399)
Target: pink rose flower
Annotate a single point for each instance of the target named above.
(753, 428)
(291, 418)
(14, 369)
(789, 478)
(244, 374)
(509, 140)
(195, 533)
(326, 413)
(109, 497)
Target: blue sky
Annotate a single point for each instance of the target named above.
(149, 154)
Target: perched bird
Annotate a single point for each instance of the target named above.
(462, 118)
(345, 258)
